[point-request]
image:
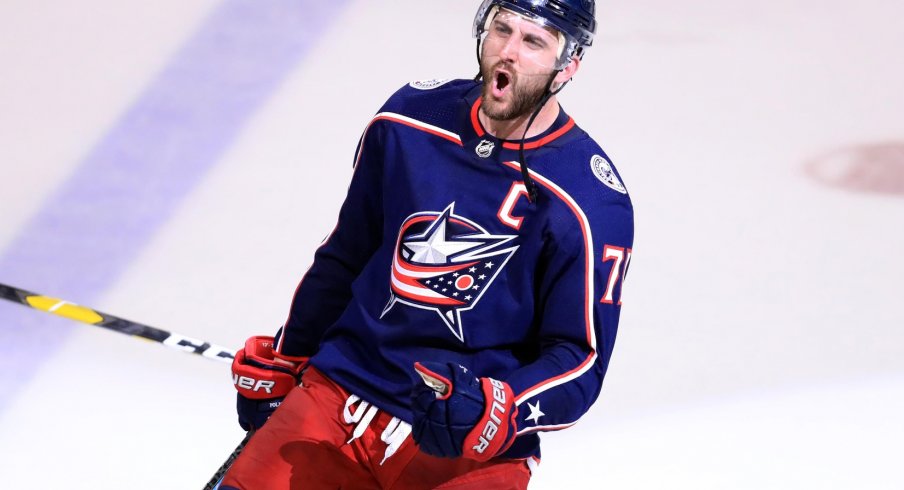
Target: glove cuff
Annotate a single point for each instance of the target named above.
(295, 363)
(495, 431)
(259, 352)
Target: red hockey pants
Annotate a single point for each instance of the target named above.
(323, 437)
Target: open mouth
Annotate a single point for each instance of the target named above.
(501, 83)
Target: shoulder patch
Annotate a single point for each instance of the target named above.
(429, 84)
(602, 168)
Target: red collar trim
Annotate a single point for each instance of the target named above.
(475, 122)
(514, 145)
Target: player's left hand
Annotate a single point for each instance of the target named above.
(457, 414)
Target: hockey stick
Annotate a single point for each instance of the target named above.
(215, 480)
(82, 314)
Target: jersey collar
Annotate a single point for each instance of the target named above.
(561, 126)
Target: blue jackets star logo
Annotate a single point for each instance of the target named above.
(445, 263)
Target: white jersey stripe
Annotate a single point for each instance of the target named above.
(538, 428)
(414, 123)
(588, 300)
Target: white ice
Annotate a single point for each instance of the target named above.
(762, 338)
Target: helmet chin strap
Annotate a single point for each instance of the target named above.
(532, 190)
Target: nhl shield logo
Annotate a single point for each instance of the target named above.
(485, 148)
(445, 263)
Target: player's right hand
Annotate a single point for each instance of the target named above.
(263, 378)
(456, 414)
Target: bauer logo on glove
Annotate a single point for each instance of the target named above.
(492, 425)
(255, 385)
(457, 414)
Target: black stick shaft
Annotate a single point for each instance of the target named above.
(83, 314)
(226, 464)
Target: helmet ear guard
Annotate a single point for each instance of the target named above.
(487, 19)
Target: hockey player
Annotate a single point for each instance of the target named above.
(469, 296)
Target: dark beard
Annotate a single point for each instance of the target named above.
(526, 94)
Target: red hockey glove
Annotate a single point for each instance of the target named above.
(263, 378)
(457, 414)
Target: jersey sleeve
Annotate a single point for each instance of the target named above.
(325, 290)
(579, 307)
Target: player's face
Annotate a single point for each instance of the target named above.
(516, 64)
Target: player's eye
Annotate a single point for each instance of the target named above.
(501, 29)
(535, 42)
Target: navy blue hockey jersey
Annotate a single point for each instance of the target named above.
(438, 255)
